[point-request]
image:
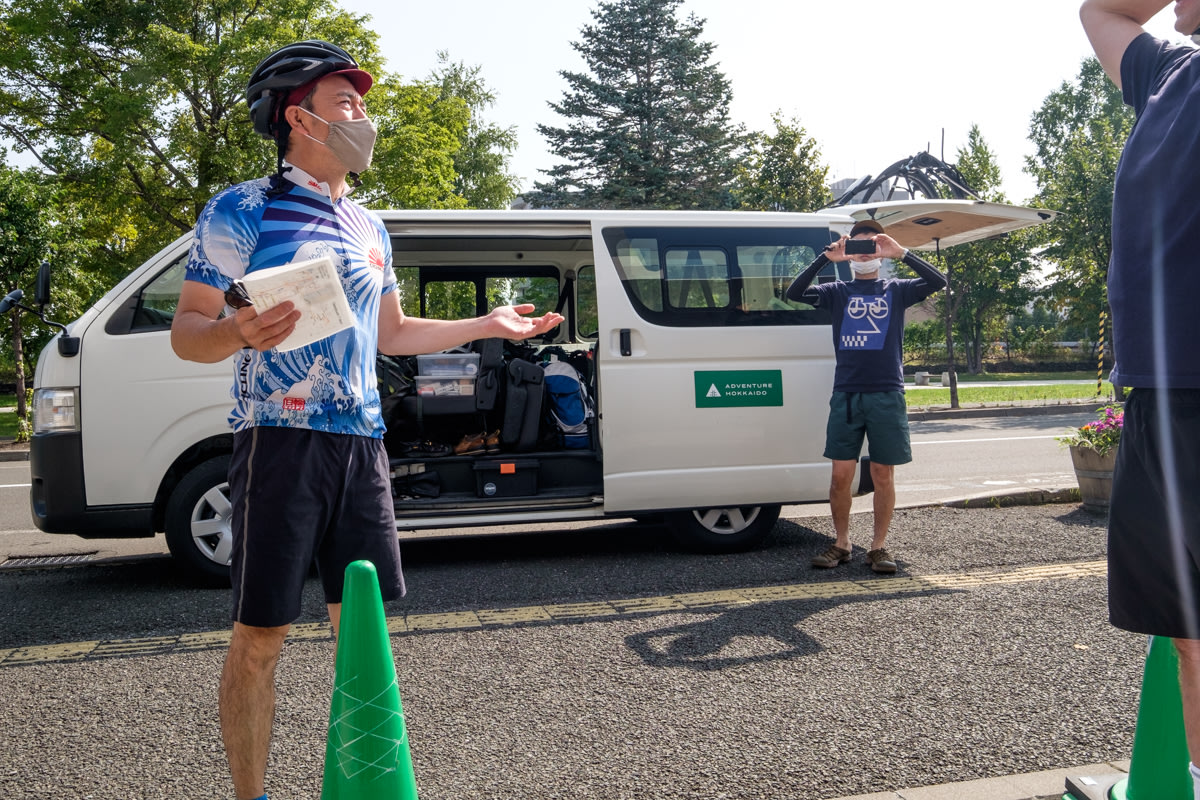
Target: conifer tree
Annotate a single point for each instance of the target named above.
(647, 126)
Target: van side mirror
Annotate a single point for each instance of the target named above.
(67, 345)
(41, 292)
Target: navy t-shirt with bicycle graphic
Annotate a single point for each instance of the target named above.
(868, 329)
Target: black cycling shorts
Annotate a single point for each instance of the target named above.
(1154, 516)
(302, 497)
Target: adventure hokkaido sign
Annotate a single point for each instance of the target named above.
(742, 387)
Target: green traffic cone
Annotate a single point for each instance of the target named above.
(366, 755)
(1158, 769)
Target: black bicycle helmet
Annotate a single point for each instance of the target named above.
(292, 67)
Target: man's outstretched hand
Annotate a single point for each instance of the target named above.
(509, 322)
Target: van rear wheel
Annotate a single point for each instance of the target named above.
(722, 530)
(199, 534)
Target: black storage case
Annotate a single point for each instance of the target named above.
(506, 477)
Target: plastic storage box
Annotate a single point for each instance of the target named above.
(448, 365)
(434, 386)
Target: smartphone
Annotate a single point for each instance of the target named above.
(860, 247)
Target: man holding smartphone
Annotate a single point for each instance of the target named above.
(868, 385)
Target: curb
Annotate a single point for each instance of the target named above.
(14, 455)
(927, 415)
(1020, 497)
(1028, 786)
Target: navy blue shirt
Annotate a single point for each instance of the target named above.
(1154, 275)
(868, 330)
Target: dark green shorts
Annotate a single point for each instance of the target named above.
(882, 417)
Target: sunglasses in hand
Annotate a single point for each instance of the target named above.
(236, 296)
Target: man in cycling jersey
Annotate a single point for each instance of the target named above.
(309, 477)
(868, 387)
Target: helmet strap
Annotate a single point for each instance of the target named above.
(278, 186)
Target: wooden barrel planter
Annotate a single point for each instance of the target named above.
(1094, 473)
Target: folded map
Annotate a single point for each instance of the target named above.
(315, 289)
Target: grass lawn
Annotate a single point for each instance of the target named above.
(8, 419)
(1000, 377)
(1004, 392)
(1010, 394)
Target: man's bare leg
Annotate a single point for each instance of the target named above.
(884, 501)
(840, 499)
(1189, 690)
(247, 704)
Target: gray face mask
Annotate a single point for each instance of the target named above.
(351, 140)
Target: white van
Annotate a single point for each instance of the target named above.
(710, 390)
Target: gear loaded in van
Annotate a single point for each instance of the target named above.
(568, 404)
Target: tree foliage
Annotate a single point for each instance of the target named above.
(782, 171)
(139, 107)
(139, 110)
(30, 233)
(481, 163)
(1079, 133)
(648, 125)
(993, 278)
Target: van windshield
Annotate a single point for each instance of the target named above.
(693, 277)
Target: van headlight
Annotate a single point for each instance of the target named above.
(55, 410)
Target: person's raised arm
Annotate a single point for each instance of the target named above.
(403, 335)
(932, 276)
(798, 292)
(1112, 24)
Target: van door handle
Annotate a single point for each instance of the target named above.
(626, 343)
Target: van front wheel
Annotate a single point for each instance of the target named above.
(197, 521)
(723, 530)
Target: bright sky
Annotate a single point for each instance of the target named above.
(873, 81)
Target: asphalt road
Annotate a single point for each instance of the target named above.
(608, 664)
(954, 458)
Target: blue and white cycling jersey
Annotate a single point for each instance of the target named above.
(329, 385)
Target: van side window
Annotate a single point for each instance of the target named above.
(699, 277)
(152, 308)
(458, 292)
(587, 317)
(160, 298)
(541, 291)
(449, 300)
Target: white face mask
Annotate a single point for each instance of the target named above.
(866, 267)
(351, 140)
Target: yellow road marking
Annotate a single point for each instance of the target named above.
(568, 612)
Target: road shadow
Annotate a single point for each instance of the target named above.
(711, 644)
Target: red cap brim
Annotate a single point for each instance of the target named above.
(359, 79)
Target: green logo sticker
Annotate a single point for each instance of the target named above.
(739, 388)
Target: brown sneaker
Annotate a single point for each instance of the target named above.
(881, 561)
(832, 557)
(471, 444)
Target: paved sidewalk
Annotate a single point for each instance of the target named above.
(1047, 785)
